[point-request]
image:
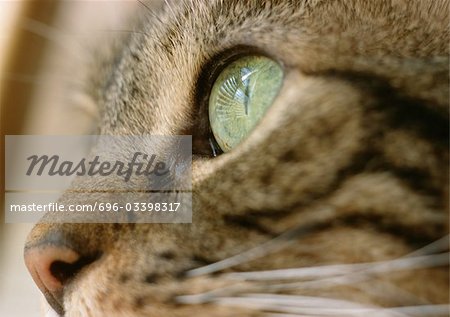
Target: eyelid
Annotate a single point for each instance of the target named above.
(218, 62)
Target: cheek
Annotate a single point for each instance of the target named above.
(313, 130)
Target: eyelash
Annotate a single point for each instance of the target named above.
(214, 146)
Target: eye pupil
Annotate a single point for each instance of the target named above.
(240, 96)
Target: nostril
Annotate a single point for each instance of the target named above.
(42, 262)
(64, 271)
(51, 267)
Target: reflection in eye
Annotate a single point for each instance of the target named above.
(240, 97)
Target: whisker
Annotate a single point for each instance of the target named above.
(32, 78)
(52, 34)
(422, 310)
(171, 9)
(299, 305)
(388, 291)
(149, 10)
(437, 246)
(301, 301)
(298, 273)
(351, 276)
(282, 241)
(409, 311)
(210, 296)
(288, 315)
(76, 100)
(125, 31)
(358, 276)
(344, 269)
(320, 306)
(23, 78)
(339, 269)
(315, 277)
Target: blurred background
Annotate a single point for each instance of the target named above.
(42, 47)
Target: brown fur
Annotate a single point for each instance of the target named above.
(355, 145)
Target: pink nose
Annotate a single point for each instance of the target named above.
(51, 267)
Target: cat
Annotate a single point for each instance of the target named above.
(334, 204)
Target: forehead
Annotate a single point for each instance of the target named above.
(153, 82)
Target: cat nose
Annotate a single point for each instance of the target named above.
(52, 265)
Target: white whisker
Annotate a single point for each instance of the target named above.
(376, 268)
(123, 31)
(23, 78)
(288, 315)
(388, 291)
(345, 269)
(33, 79)
(409, 311)
(318, 306)
(210, 296)
(52, 34)
(171, 9)
(298, 273)
(282, 241)
(149, 10)
(422, 310)
(302, 301)
(437, 246)
(314, 277)
(305, 306)
(252, 254)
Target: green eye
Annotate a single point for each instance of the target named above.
(240, 96)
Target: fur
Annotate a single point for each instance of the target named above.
(351, 159)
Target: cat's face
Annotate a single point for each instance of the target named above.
(348, 165)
